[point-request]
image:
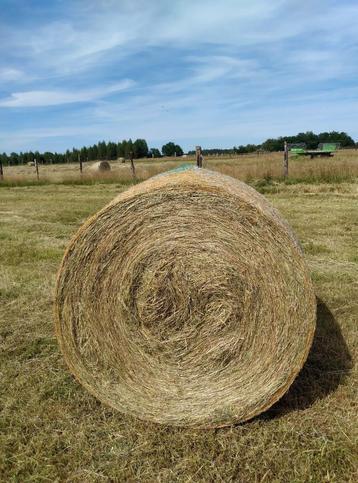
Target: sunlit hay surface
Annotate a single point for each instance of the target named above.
(186, 301)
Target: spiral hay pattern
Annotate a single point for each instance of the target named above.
(186, 301)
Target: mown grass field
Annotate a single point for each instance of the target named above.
(51, 429)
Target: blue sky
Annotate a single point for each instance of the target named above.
(215, 73)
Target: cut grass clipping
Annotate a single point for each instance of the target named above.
(186, 301)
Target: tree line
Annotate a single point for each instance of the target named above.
(310, 139)
(139, 149)
(100, 151)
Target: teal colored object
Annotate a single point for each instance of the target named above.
(182, 167)
(179, 169)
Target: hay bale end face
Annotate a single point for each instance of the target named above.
(100, 166)
(186, 301)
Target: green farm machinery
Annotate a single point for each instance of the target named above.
(323, 150)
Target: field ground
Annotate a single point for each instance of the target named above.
(51, 429)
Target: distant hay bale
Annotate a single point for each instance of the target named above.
(30, 163)
(100, 166)
(186, 301)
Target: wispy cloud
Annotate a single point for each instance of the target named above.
(55, 98)
(8, 74)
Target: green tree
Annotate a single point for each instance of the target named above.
(84, 153)
(128, 149)
(67, 155)
(140, 148)
(240, 150)
(102, 150)
(273, 144)
(168, 149)
(48, 157)
(120, 151)
(31, 157)
(93, 153)
(155, 153)
(4, 159)
(171, 149)
(111, 151)
(13, 159)
(124, 149)
(178, 150)
(74, 155)
(37, 156)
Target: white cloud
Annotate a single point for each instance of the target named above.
(9, 74)
(56, 97)
(92, 30)
(208, 68)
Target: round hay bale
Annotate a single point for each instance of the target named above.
(186, 301)
(101, 166)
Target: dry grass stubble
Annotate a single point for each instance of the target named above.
(53, 430)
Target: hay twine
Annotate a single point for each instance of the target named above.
(186, 301)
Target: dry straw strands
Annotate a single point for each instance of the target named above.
(186, 301)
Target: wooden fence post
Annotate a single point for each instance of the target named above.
(1, 171)
(285, 160)
(37, 169)
(132, 165)
(199, 157)
(80, 162)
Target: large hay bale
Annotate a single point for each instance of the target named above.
(186, 301)
(100, 166)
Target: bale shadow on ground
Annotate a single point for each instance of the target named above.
(328, 363)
